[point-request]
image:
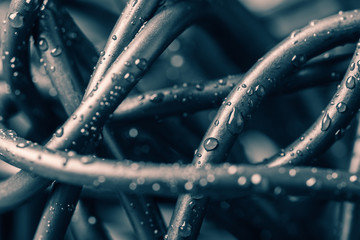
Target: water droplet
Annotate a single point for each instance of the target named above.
(242, 181)
(28, 5)
(185, 230)
(256, 178)
(313, 22)
(157, 97)
(16, 20)
(56, 51)
(298, 60)
(92, 220)
(141, 63)
(341, 107)
(232, 170)
(156, 187)
(222, 82)
(292, 172)
(23, 144)
(65, 161)
(114, 37)
(210, 144)
(52, 68)
(134, 2)
(325, 123)
(84, 132)
(59, 132)
(294, 33)
(235, 121)
(260, 90)
(353, 178)
(188, 186)
(87, 160)
(102, 53)
(350, 82)
(199, 87)
(127, 63)
(43, 45)
(299, 153)
(310, 182)
(129, 77)
(133, 132)
(352, 66)
(250, 91)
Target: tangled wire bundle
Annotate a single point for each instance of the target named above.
(72, 133)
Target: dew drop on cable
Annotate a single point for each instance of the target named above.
(256, 178)
(298, 60)
(260, 90)
(134, 2)
(156, 187)
(92, 220)
(65, 161)
(43, 45)
(353, 178)
(326, 122)
(87, 159)
(185, 230)
(341, 107)
(141, 63)
(242, 181)
(222, 82)
(313, 22)
(59, 132)
(157, 97)
(292, 172)
(350, 82)
(352, 66)
(28, 5)
(250, 91)
(56, 51)
(23, 144)
(294, 33)
(310, 182)
(210, 144)
(114, 37)
(16, 20)
(299, 153)
(199, 87)
(235, 121)
(129, 77)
